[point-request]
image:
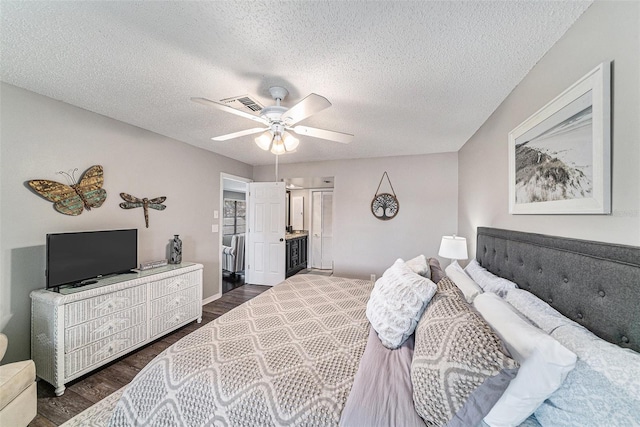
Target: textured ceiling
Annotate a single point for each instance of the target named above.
(403, 77)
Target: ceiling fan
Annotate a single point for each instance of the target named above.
(278, 120)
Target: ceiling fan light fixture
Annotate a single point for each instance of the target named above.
(278, 147)
(277, 118)
(264, 140)
(290, 142)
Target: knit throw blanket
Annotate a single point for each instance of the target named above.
(287, 357)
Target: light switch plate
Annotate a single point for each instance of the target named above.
(215, 214)
(214, 228)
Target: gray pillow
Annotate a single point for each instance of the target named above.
(459, 368)
(436, 271)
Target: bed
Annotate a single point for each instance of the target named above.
(304, 352)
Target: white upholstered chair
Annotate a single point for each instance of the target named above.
(18, 390)
(233, 255)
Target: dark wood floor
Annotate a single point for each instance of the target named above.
(231, 281)
(87, 390)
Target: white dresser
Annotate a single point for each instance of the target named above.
(80, 329)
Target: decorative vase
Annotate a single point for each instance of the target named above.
(176, 250)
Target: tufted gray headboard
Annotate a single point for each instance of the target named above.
(595, 284)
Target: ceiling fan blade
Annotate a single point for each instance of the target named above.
(226, 108)
(310, 105)
(238, 134)
(344, 138)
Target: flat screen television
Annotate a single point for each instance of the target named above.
(75, 258)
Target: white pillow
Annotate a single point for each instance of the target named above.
(420, 266)
(537, 311)
(397, 302)
(488, 281)
(544, 362)
(469, 288)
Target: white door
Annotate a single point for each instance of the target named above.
(316, 230)
(265, 236)
(327, 230)
(322, 230)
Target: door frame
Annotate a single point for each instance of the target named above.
(230, 177)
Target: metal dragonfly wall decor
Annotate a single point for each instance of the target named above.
(131, 202)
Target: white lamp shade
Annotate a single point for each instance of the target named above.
(290, 142)
(264, 140)
(453, 247)
(278, 147)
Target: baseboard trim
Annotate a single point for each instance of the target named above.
(212, 298)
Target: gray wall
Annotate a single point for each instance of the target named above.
(426, 187)
(40, 136)
(606, 31)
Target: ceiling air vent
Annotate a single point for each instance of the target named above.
(244, 102)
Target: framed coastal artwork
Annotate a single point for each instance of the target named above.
(560, 157)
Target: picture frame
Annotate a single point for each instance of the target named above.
(560, 157)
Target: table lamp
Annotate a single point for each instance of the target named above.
(453, 247)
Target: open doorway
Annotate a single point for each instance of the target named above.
(233, 227)
(312, 215)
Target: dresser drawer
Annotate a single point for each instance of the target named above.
(103, 305)
(175, 300)
(173, 318)
(93, 354)
(173, 284)
(98, 329)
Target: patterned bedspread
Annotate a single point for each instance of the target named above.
(287, 357)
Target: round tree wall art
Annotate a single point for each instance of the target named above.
(385, 206)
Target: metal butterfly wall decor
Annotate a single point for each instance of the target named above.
(72, 199)
(131, 202)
